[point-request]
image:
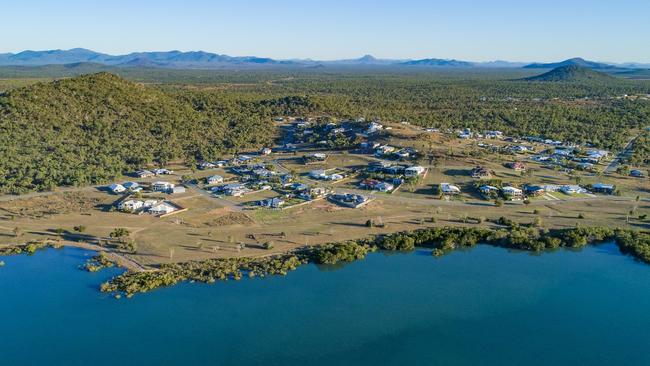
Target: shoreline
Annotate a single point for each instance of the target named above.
(441, 240)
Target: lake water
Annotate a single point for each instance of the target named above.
(485, 306)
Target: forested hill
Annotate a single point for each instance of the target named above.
(573, 73)
(88, 129)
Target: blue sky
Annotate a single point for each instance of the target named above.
(522, 30)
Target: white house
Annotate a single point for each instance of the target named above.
(162, 171)
(130, 205)
(572, 189)
(414, 171)
(597, 154)
(384, 150)
(161, 186)
(448, 188)
(234, 189)
(206, 165)
(116, 188)
(318, 174)
(161, 208)
(214, 179)
(512, 192)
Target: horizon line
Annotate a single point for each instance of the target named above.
(380, 58)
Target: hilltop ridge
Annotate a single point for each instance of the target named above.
(571, 73)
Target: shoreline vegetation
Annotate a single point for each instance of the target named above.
(29, 248)
(441, 240)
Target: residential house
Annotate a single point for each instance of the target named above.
(572, 189)
(275, 202)
(349, 199)
(493, 134)
(369, 145)
(318, 174)
(214, 179)
(315, 157)
(384, 150)
(117, 188)
(585, 166)
(378, 166)
(235, 189)
(405, 153)
(286, 179)
(130, 205)
(206, 165)
(449, 189)
(262, 173)
(414, 171)
(162, 208)
(603, 188)
(162, 171)
(512, 193)
(131, 186)
(376, 185)
(516, 166)
(242, 159)
(636, 173)
(563, 152)
(384, 187)
(481, 173)
(161, 186)
(551, 187)
(394, 169)
(368, 183)
(519, 149)
(144, 174)
(597, 154)
(534, 190)
(488, 191)
(318, 191)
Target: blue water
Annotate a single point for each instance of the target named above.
(485, 306)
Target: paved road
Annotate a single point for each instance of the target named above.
(623, 154)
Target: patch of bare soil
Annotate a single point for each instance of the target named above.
(231, 218)
(327, 207)
(46, 206)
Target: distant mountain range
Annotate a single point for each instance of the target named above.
(207, 60)
(437, 62)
